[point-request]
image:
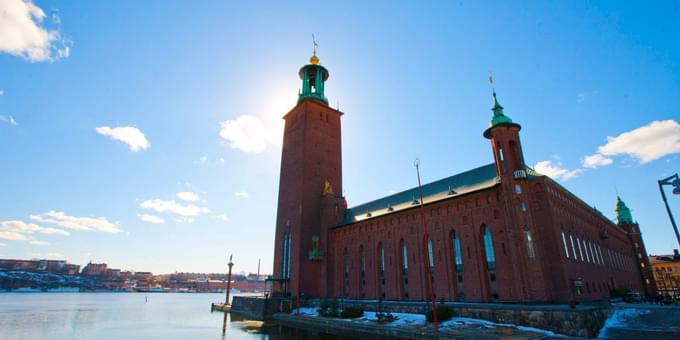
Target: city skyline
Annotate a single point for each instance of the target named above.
(131, 140)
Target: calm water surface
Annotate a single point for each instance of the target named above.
(128, 316)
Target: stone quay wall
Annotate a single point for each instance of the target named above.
(259, 307)
(582, 321)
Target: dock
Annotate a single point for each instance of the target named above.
(220, 307)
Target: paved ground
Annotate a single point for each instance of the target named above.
(643, 321)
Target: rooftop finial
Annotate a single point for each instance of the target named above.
(314, 59)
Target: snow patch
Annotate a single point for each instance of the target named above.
(620, 317)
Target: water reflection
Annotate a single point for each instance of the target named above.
(131, 316)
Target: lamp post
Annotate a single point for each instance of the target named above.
(230, 264)
(673, 181)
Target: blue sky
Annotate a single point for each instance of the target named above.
(117, 115)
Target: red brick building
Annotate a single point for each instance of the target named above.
(498, 232)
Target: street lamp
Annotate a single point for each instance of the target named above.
(673, 181)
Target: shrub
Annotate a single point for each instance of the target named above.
(443, 313)
(618, 292)
(328, 308)
(352, 312)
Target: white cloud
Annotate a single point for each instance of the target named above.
(222, 217)
(30, 228)
(150, 218)
(248, 134)
(221, 160)
(242, 194)
(77, 223)
(188, 196)
(13, 236)
(556, 170)
(129, 135)
(8, 120)
(2, 92)
(2, 244)
(38, 243)
(21, 33)
(595, 161)
(645, 144)
(172, 207)
(55, 255)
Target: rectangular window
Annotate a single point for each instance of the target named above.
(580, 251)
(564, 242)
(590, 247)
(585, 249)
(573, 250)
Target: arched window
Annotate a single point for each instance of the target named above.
(430, 253)
(530, 244)
(381, 269)
(346, 271)
(285, 263)
(488, 249)
(404, 269)
(458, 265)
(457, 253)
(362, 277)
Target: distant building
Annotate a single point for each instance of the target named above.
(496, 232)
(110, 272)
(94, 269)
(666, 270)
(72, 269)
(49, 266)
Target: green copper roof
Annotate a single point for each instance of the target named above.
(623, 214)
(469, 181)
(498, 115)
(313, 77)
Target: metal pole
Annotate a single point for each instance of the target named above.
(668, 209)
(430, 285)
(230, 264)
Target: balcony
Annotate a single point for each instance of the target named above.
(518, 174)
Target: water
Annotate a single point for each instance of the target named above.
(117, 316)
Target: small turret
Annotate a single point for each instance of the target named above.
(313, 77)
(504, 136)
(623, 214)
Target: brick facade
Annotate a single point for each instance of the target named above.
(542, 244)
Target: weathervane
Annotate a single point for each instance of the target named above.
(491, 82)
(315, 44)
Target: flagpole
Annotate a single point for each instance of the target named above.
(426, 249)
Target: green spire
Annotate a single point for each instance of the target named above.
(623, 214)
(498, 115)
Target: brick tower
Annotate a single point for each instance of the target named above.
(519, 231)
(625, 221)
(311, 176)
